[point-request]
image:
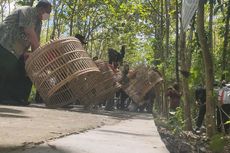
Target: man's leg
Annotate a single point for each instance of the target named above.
(124, 96)
(218, 119)
(142, 107)
(38, 98)
(118, 97)
(225, 114)
(202, 111)
(109, 104)
(149, 106)
(8, 63)
(15, 86)
(24, 84)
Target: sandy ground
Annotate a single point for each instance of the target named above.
(28, 126)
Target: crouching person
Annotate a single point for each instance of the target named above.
(19, 31)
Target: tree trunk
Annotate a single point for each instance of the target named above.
(9, 6)
(185, 86)
(226, 39)
(2, 12)
(59, 21)
(31, 2)
(189, 46)
(177, 38)
(47, 30)
(158, 55)
(210, 26)
(164, 99)
(167, 4)
(71, 26)
(163, 105)
(208, 63)
(72, 20)
(55, 8)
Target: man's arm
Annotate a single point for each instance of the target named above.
(122, 52)
(197, 94)
(31, 34)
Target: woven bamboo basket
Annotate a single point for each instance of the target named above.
(103, 87)
(54, 67)
(143, 80)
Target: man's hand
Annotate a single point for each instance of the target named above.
(33, 38)
(197, 103)
(26, 55)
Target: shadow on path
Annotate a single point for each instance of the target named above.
(11, 113)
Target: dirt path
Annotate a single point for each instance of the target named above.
(136, 135)
(47, 129)
(28, 126)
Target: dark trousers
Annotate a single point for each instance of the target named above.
(223, 118)
(15, 86)
(201, 114)
(142, 107)
(123, 96)
(38, 98)
(109, 104)
(149, 107)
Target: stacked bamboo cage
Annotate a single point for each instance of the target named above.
(58, 68)
(104, 85)
(141, 81)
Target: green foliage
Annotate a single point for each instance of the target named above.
(227, 122)
(111, 23)
(217, 143)
(32, 94)
(25, 2)
(176, 121)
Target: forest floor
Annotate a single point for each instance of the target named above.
(178, 141)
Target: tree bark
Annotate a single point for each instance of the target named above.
(226, 39)
(177, 46)
(31, 2)
(73, 11)
(9, 6)
(55, 8)
(164, 104)
(210, 26)
(208, 63)
(164, 99)
(2, 12)
(47, 30)
(185, 86)
(167, 4)
(157, 56)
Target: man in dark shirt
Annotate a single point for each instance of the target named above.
(116, 60)
(115, 57)
(200, 96)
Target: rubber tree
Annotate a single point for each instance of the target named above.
(208, 66)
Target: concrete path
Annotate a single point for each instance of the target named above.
(136, 135)
(28, 126)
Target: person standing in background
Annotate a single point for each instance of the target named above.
(200, 97)
(174, 96)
